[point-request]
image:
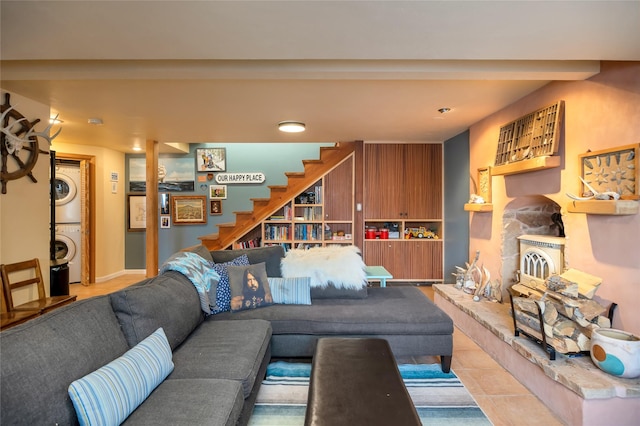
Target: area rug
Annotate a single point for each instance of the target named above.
(440, 398)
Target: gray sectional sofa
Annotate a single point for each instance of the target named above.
(218, 361)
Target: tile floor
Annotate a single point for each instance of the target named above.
(504, 400)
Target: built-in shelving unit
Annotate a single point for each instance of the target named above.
(604, 207)
(319, 216)
(403, 195)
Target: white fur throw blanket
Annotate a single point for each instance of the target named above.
(340, 265)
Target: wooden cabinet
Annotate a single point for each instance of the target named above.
(403, 193)
(319, 216)
(403, 181)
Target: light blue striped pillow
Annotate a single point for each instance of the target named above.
(108, 395)
(291, 291)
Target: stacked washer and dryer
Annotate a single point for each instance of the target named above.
(68, 227)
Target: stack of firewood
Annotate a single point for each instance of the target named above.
(565, 303)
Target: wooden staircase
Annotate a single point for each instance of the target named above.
(297, 182)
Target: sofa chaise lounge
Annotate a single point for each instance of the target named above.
(216, 362)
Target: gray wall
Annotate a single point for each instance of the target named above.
(272, 159)
(456, 194)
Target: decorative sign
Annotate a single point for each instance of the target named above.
(240, 177)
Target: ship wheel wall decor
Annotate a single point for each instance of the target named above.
(19, 144)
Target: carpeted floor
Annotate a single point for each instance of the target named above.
(440, 399)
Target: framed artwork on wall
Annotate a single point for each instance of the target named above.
(484, 183)
(136, 212)
(218, 192)
(215, 207)
(189, 209)
(211, 159)
(165, 221)
(616, 169)
(165, 204)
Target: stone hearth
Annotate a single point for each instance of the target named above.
(572, 387)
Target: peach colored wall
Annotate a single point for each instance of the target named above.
(600, 113)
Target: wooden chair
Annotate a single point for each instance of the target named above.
(30, 268)
(9, 319)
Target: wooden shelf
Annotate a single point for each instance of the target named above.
(477, 207)
(524, 166)
(607, 207)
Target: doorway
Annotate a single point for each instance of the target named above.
(85, 194)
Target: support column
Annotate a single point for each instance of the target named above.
(152, 208)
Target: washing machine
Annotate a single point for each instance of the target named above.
(67, 193)
(68, 247)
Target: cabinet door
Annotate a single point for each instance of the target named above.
(385, 253)
(423, 181)
(384, 177)
(424, 259)
(338, 192)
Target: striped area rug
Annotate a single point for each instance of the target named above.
(440, 399)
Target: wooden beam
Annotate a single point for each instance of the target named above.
(152, 208)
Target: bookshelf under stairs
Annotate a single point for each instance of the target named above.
(281, 195)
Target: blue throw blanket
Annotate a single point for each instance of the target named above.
(200, 273)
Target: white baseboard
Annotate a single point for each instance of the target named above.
(120, 273)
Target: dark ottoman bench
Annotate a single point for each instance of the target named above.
(357, 382)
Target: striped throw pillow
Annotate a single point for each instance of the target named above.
(108, 395)
(291, 291)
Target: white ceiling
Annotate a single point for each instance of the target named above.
(229, 71)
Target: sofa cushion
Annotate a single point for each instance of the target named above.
(202, 251)
(223, 290)
(169, 301)
(189, 402)
(249, 287)
(231, 350)
(109, 394)
(389, 310)
(40, 358)
(270, 255)
(291, 291)
(330, 291)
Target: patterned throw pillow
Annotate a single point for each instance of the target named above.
(249, 287)
(108, 395)
(291, 291)
(223, 291)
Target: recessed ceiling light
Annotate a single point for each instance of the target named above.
(55, 120)
(137, 148)
(444, 110)
(95, 121)
(291, 126)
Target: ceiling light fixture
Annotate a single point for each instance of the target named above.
(55, 120)
(444, 110)
(291, 126)
(137, 148)
(95, 121)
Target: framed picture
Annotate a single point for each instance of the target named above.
(215, 207)
(211, 159)
(189, 209)
(616, 169)
(165, 203)
(175, 174)
(165, 222)
(136, 212)
(484, 183)
(218, 192)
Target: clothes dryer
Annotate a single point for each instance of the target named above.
(67, 193)
(68, 246)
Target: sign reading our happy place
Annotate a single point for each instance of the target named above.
(230, 178)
